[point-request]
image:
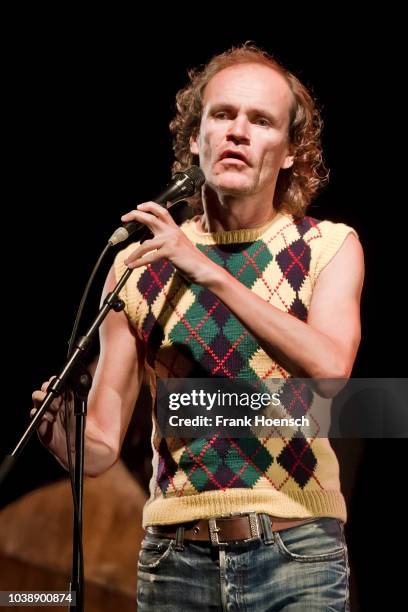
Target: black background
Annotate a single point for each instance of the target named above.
(86, 105)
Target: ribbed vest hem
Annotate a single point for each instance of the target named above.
(292, 504)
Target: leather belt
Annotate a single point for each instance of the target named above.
(226, 529)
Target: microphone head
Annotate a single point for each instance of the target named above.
(197, 179)
(183, 184)
(196, 174)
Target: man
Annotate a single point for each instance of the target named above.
(250, 289)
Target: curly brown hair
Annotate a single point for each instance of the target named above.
(297, 185)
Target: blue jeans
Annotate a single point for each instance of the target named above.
(302, 568)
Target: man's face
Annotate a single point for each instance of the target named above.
(243, 138)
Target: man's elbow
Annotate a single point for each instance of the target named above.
(98, 469)
(330, 388)
(100, 456)
(331, 380)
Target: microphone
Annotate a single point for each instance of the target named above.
(182, 185)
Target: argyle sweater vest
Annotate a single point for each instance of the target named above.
(189, 333)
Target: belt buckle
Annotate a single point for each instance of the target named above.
(253, 528)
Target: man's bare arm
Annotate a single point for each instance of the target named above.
(113, 395)
(117, 380)
(325, 346)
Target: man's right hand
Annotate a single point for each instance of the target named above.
(51, 429)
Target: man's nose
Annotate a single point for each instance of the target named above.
(239, 130)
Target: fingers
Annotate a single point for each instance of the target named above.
(156, 209)
(45, 384)
(38, 397)
(150, 245)
(146, 260)
(140, 216)
(149, 213)
(45, 425)
(47, 416)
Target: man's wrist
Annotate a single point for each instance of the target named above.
(214, 277)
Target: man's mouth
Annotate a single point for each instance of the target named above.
(233, 155)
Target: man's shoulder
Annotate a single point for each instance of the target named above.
(314, 230)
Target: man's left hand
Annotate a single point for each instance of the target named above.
(169, 242)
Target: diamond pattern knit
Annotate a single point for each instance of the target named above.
(190, 333)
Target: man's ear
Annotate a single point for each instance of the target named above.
(194, 145)
(288, 159)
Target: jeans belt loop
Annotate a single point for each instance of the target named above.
(179, 544)
(269, 537)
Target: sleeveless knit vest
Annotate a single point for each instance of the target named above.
(189, 333)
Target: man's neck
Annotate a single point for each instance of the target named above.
(230, 213)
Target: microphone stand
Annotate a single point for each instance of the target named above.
(81, 381)
(80, 387)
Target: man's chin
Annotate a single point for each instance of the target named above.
(233, 185)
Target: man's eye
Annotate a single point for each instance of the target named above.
(263, 122)
(221, 115)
